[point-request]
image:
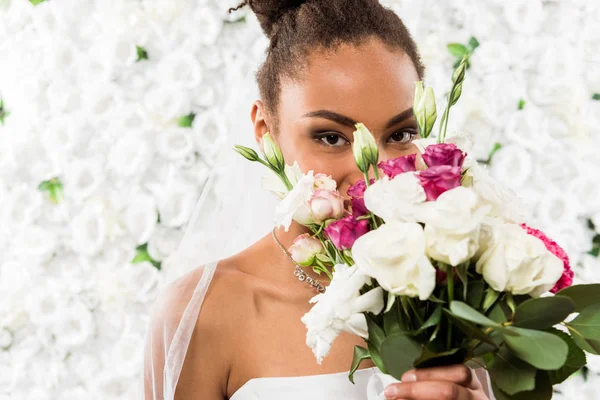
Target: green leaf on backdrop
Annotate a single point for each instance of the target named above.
(36, 2)
(521, 104)
(186, 121)
(142, 255)
(466, 312)
(54, 187)
(399, 353)
(3, 112)
(510, 373)
(360, 354)
(542, 391)
(576, 359)
(582, 295)
(142, 54)
(543, 312)
(541, 349)
(473, 43)
(585, 329)
(596, 96)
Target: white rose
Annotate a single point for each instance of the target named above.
(325, 182)
(504, 202)
(6, 338)
(181, 68)
(127, 354)
(518, 262)
(452, 225)
(273, 183)
(295, 204)
(143, 280)
(130, 156)
(524, 16)
(305, 248)
(83, 177)
(340, 309)
(35, 244)
(21, 206)
(395, 199)
(140, 217)
(166, 103)
(394, 255)
(74, 326)
(175, 143)
(176, 201)
(164, 242)
(89, 230)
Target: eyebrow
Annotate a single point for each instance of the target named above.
(344, 120)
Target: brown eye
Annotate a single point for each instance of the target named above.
(332, 140)
(403, 136)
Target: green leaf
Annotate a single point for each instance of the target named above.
(458, 50)
(391, 321)
(543, 312)
(470, 329)
(473, 43)
(360, 354)
(461, 271)
(36, 2)
(466, 312)
(429, 359)
(490, 298)
(142, 255)
(187, 120)
(596, 96)
(509, 373)
(376, 334)
(541, 349)
(575, 359)
(542, 391)
(521, 104)
(433, 319)
(582, 295)
(399, 353)
(585, 329)
(475, 294)
(142, 54)
(376, 357)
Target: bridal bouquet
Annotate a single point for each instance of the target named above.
(433, 265)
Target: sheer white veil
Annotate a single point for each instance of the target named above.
(233, 212)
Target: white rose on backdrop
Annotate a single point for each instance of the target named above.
(452, 225)
(83, 177)
(518, 262)
(21, 206)
(394, 255)
(130, 156)
(127, 354)
(525, 16)
(45, 305)
(166, 102)
(166, 11)
(6, 338)
(66, 99)
(140, 217)
(395, 199)
(181, 69)
(164, 242)
(206, 95)
(295, 205)
(209, 132)
(340, 309)
(83, 365)
(90, 229)
(61, 137)
(512, 166)
(101, 102)
(504, 202)
(74, 326)
(143, 281)
(174, 144)
(35, 244)
(175, 199)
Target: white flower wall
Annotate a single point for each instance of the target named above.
(111, 113)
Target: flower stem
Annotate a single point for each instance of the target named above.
(450, 279)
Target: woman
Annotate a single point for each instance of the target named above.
(330, 63)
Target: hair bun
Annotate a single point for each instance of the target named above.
(269, 12)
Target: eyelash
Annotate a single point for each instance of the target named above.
(322, 137)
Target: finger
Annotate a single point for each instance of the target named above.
(459, 374)
(427, 390)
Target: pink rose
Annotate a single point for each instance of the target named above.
(439, 179)
(443, 154)
(357, 192)
(343, 233)
(399, 165)
(326, 204)
(566, 279)
(305, 248)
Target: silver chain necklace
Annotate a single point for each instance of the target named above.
(298, 271)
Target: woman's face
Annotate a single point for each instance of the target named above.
(368, 84)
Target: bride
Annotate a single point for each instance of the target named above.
(234, 332)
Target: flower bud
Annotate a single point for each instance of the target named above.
(326, 204)
(246, 152)
(424, 108)
(364, 148)
(304, 250)
(273, 153)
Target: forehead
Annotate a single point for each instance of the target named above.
(369, 83)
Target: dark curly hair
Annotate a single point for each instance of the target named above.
(296, 27)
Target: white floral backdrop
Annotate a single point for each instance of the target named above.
(111, 112)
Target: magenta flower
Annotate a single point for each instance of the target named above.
(566, 279)
(357, 192)
(343, 233)
(396, 166)
(443, 154)
(439, 179)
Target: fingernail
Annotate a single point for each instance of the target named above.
(409, 378)
(390, 391)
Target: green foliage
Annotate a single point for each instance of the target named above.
(399, 353)
(142, 54)
(187, 120)
(541, 349)
(142, 255)
(360, 354)
(585, 329)
(576, 359)
(54, 188)
(543, 312)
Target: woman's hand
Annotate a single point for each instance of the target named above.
(456, 382)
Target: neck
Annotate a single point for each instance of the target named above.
(287, 238)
